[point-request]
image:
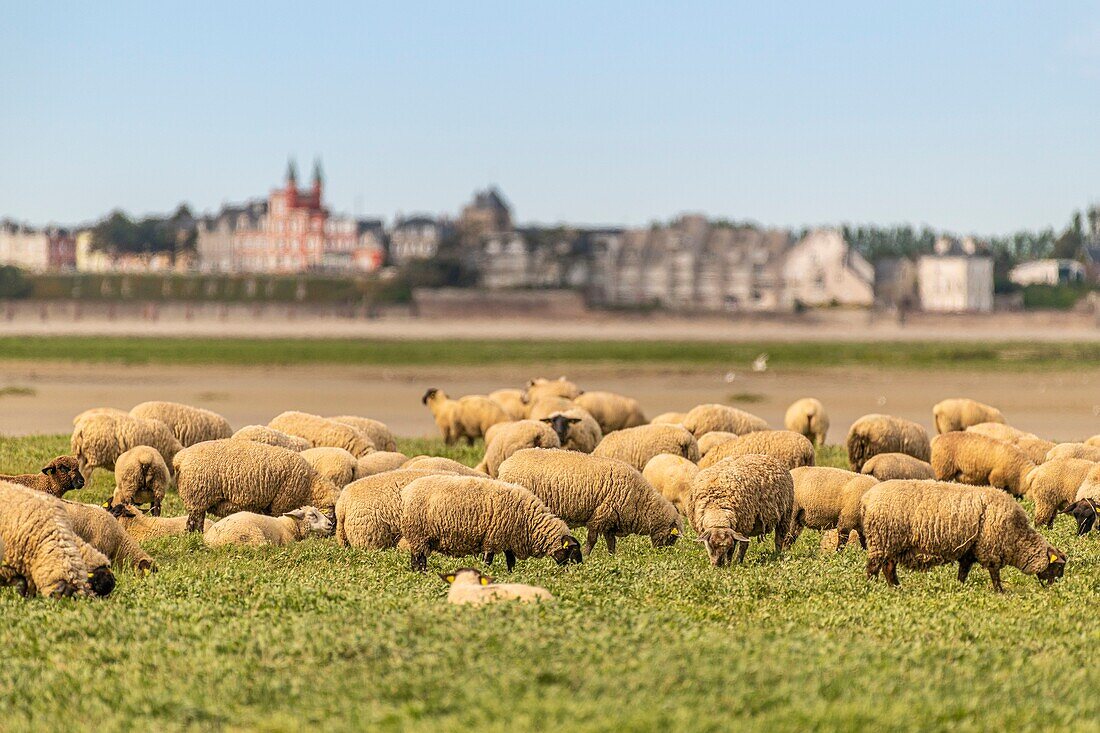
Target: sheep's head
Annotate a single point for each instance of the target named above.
(102, 581)
(667, 534)
(568, 552)
(64, 474)
(312, 521)
(720, 544)
(431, 395)
(1085, 512)
(120, 511)
(561, 424)
(1056, 566)
(466, 576)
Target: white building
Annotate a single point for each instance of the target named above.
(1047, 272)
(821, 269)
(957, 278)
(24, 247)
(415, 238)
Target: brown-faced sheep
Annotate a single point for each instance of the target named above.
(100, 529)
(508, 438)
(612, 411)
(270, 436)
(368, 512)
(380, 461)
(887, 466)
(141, 477)
(703, 419)
(969, 458)
(378, 432)
(512, 402)
(1074, 450)
(672, 476)
(637, 445)
(473, 587)
(321, 432)
(189, 424)
(874, 434)
(540, 387)
(99, 439)
(57, 477)
(335, 464)
(576, 429)
(467, 417)
(789, 448)
(807, 417)
(1053, 486)
(828, 498)
(258, 530)
(960, 413)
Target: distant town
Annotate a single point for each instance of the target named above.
(689, 264)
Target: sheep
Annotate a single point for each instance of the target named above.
(511, 437)
(42, 553)
(189, 424)
(886, 466)
(674, 418)
(612, 411)
(607, 497)
(576, 429)
(379, 462)
(270, 436)
(98, 440)
(439, 463)
(467, 417)
(144, 527)
(713, 439)
(542, 387)
(57, 477)
(258, 530)
(546, 406)
(100, 529)
(465, 515)
(368, 512)
(472, 587)
(1053, 486)
(512, 402)
(1086, 503)
(227, 476)
(1074, 450)
(874, 434)
(830, 541)
(637, 445)
(1094, 440)
(739, 498)
(99, 411)
(970, 458)
(335, 464)
(703, 419)
(789, 448)
(671, 475)
(960, 413)
(828, 498)
(807, 417)
(378, 432)
(141, 477)
(1032, 445)
(921, 524)
(321, 432)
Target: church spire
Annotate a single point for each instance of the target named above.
(291, 171)
(318, 176)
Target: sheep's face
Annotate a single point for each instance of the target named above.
(1085, 512)
(720, 544)
(1056, 566)
(64, 474)
(430, 395)
(313, 521)
(667, 535)
(561, 424)
(568, 552)
(102, 581)
(120, 511)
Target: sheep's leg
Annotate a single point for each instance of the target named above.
(890, 570)
(965, 563)
(874, 565)
(196, 520)
(862, 539)
(154, 510)
(610, 540)
(592, 536)
(418, 561)
(510, 560)
(742, 548)
(487, 558)
(995, 576)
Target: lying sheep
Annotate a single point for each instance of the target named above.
(189, 424)
(969, 458)
(144, 527)
(258, 530)
(703, 419)
(1053, 486)
(464, 515)
(270, 436)
(1074, 450)
(321, 432)
(921, 524)
(807, 417)
(887, 466)
(713, 439)
(637, 445)
(828, 498)
(874, 434)
(98, 440)
(467, 417)
(671, 476)
(439, 463)
(228, 476)
(576, 429)
(542, 387)
(612, 411)
(96, 526)
(378, 432)
(789, 448)
(544, 407)
(335, 464)
(606, 496)
(511, 437)
(512, 402)
(673, 418)
(472, 587)
(57, 477)
(960, 413)
(379, 462)
(739, 498)
(141, 477)
(368, 512)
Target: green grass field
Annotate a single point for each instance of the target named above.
(651, 640)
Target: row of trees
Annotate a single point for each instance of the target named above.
(119, 234)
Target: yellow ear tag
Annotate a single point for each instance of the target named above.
(565, 545)
(484, 580)
(91, 575)
(450, 578)
(674, 532)
(146, 571)
(1053, 557)
(106, 505)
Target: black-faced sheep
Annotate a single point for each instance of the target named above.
(99, 439)
(1053, 486)
(507, 438)
(576, 429)
(100, 529)
(368, 512)
(828, 498)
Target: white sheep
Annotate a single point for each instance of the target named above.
(246, 528)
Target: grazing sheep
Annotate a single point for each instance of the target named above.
(464, 515)
(612, 411)
(228, 476)
(335, 464)
(703, 419)
(380, 461)
(789, 448)
(960, 413)
(368, 512)
(921, 524)
(1053, 486)
(807, 417)
(828, 498)
(57, 477)
(576, 429)
(1086, 504)
(541, 387)
(713, 439)
(378, 432)
(270, 436)
(189, 424)
(98, 440)
(258, 530)
(1074, 450)
(439, 463)
(672, 476)
(544, 407)
(512, 402)
(674, 418)
(886, 466)
(99, 411)
(637, 445)
(100, 529)
(874, 434)
(467, 417)
(510, 437)
(1094, 440)
(739, 498)
(144, 527)
(969, 458)
(607, 497)
(321, 432)
(141, 477)
(1032, 445)
(472, 587)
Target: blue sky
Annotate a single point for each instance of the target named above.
(973, 117)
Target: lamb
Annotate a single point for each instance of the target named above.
(1074, 450)
(703, 419)
(544, 407)
(472, 587)
(789, 448)
(886, 466)
(144, 527)
(227, 476)
(608, 497)
(713, 439)
(335, 464)
(807, 417)
(674, 418)
(612, 411)
(828, 498)
(511, 437)
(960, 413)
(320, 432)
(637, 445)
(542, 387)
(1053, 486)
(439, 463)
(921, 524)
(467, 417)
(270, 436)
(101, 530)
(672, 476)
(969, 458)
(57, 477)
(98, 440)
(874, 434)
(378, 432)
(380, 462)
(739, 498)
(576, 429)
(465, 515)
(141, 477)
(189, 424)
(512, 402)
(258, 530)
(368, 512)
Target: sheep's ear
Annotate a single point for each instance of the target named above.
(740, 537)
(547, 420)
(49, 470)
(447, 577)
(573, 420)
(703, 538)
(297, 513)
